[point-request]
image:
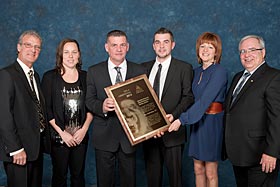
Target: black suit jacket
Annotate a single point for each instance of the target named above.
(19, 126)
(252, 123)
(107, 132)
(176, 97)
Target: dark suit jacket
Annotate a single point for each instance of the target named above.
(252, 123)
(177, 96)
(19, 126)
(107, 132)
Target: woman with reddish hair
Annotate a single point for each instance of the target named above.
(206, 115)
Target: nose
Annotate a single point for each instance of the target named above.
(33, 48)
(119, 47)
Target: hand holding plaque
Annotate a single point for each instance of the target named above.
(138, 109)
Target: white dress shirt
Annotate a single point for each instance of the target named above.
(113, 72)
(165, 66)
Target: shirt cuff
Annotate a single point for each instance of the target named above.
(16, 152)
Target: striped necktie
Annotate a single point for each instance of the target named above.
(119, 75)
(239, 86)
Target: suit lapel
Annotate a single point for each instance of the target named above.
(150, 66)
(231, 89)
(24, 80)
(104, 72)
(130, 73)
(42, 100)
(169, 77)
(256, 75)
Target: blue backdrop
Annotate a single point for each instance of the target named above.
(88, 21)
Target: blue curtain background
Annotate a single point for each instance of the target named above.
(88, 21)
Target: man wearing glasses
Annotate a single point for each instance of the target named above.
(23, 128)
(252, 117)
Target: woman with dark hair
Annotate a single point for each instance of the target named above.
(206, 114)
(64, 89)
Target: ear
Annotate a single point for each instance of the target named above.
(263, 53)
(19, 47)
(173, 45)
(154, 46)
(106, 47)
(127, 47)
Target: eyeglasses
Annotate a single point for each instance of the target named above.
(29, 45)
(250, 50)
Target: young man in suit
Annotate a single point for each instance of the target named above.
(175, 95)
(252, 117)
(109, 139)
(23, 126)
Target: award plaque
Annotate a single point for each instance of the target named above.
(138, 109)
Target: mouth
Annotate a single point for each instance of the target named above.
(248, 59)
(205, 54)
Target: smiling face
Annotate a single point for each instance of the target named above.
(207, 53)
(70, 55)
(29, 49)
(163, 45)
(208, 48)
(117, 47)
(253, 54)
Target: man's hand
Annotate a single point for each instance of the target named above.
(268, 163)
(174, 126)
(20, 158)
(108, 105)
(159, 134)
(170, 117)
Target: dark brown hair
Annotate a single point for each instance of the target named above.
(59, 55)
(116, 33)
(163, 30)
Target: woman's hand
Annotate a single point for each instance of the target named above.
(68, 139)
(79, 135)
(174, 126)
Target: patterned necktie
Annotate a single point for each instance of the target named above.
(30, 73)
(38, 105)
(119, 75)
(156, 85)
(239, 86)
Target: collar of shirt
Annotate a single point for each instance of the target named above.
(25, 68)
(254, 69)
(113, 72)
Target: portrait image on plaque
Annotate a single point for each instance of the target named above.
(138, 109)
